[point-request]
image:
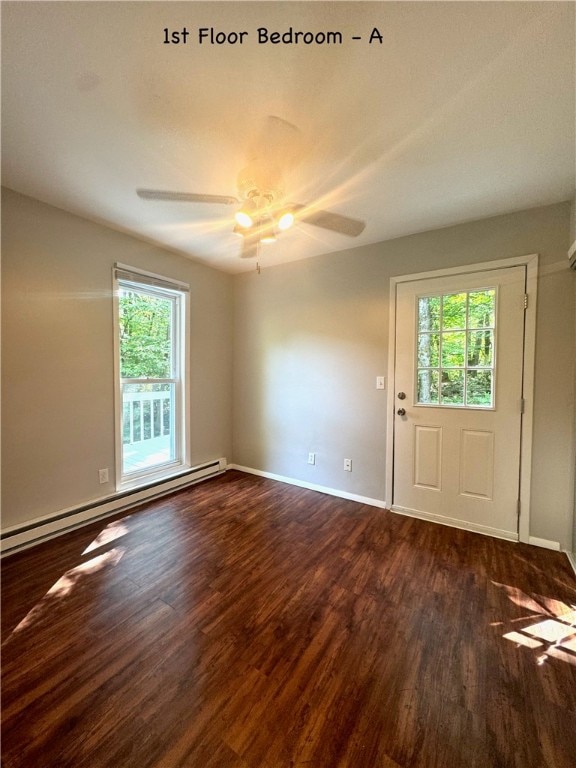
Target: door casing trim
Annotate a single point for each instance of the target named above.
(531, 263)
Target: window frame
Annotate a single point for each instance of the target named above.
(158, 286)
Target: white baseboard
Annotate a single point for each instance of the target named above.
(572, 558)
(555, 545)
(454, 523)
(312, 486)
(18, 537)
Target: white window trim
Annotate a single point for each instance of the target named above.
(175, 468)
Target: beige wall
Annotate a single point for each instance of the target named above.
(297, 371)
(311, 336)
(57, 355)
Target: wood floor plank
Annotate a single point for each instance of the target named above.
(244, 623)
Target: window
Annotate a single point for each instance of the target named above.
(455, 351)
(151, 343)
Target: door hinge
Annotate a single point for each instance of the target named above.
(522, 405)
(525, 301)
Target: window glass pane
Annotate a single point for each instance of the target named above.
(452, 390)
(453, 349)
(429, 313)
(479, 388)
(142, 406)
(125, 423)
(147, 418)
(145, 335)
(480, 348)
(481, 306)
(455, 357)
(454, 310)
(166, 416)
(428, 345)
(136, 421)
(427, 387)
(157, 426)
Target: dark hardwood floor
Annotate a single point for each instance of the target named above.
(244, 623)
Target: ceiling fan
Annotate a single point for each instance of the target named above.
(261, 211)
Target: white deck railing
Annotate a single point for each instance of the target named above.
(144, 413)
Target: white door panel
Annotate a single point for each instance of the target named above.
(427, 456)
(477, 463)
(459, 362)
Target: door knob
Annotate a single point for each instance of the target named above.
(401, 395)
(401, 411)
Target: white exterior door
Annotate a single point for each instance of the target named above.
(458, 399)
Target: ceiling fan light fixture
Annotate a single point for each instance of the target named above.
(266, 223)
(246, 214)
(268, 237)
(285, 220)
(244, 219)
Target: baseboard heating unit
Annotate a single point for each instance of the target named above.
(20, 537)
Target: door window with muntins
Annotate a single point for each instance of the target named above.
(455, 355)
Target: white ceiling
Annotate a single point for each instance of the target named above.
(466, 110)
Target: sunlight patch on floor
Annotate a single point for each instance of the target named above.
(553, 631)
(112, 532)
(66, 583)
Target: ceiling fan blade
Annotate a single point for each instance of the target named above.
(185, 197)
(344, 225)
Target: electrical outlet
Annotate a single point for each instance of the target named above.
(311, 458)
(380, 382)
(348, 465)
(103, 475)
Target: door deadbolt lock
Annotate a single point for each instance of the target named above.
(401, 395)
(401, 411)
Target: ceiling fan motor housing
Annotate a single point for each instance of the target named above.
(257, 183)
